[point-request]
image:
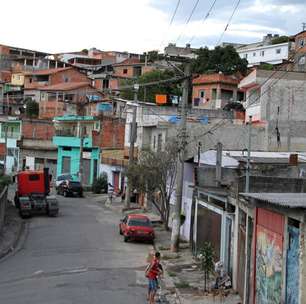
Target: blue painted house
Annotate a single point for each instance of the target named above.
(68, 140)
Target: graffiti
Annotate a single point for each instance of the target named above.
(268, 267)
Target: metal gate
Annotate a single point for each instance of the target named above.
(292, 273)
(86, 173)
(66, 164)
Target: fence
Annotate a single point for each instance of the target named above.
(3, 203)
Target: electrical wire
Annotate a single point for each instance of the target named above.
(171, 21)
(229, 21)
(205, 18)
(188, 20)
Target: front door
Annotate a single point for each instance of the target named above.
(116, 181)
(292, 273)
(66, 164)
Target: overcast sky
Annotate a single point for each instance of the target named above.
(141, 25)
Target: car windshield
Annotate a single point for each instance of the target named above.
(140, 222)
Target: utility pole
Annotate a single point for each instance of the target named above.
(5, 146)
(182, 136)
(81, 135)
(247, 174)
(133, 133)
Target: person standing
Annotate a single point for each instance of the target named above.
(153, 272)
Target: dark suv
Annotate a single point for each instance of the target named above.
(69, 186)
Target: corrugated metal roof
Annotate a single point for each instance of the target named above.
(287, 200)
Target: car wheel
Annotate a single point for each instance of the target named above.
(126, 239)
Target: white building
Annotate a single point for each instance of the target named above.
(264, 51)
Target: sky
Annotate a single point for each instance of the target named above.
(142, 25)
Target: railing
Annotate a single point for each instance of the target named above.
(3, 203)
(13, 135)
(66, 133)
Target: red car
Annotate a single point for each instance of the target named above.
(136, 227)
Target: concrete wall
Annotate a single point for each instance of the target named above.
(109, 170)
(3, 202)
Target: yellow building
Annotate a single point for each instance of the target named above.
(17, 79)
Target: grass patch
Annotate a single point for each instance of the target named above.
(182, 284)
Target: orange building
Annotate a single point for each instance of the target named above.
(213, 91)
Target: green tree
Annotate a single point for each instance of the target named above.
(280, 39)
(154, 174)
(220, 59)
(148, 93)
(32, 108)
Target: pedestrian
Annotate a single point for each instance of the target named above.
(153, 271)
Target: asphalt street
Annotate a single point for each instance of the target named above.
(78, 257)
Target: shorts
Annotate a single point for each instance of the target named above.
(153, 284)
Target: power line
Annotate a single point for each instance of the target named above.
(171, 20)
(205, 17)
(229, 21)
(189, 18)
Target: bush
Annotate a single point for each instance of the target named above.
(100, 185)
(32, 108)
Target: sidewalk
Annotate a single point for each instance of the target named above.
(12, 231)
(183, 279)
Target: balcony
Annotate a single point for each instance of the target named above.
(11, 135)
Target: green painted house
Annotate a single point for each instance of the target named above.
(68, 140)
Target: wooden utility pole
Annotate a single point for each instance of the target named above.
(182, 136)
(133, 133)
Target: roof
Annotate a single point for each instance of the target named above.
(287, 200)
(209, 158)
(216, 78)
(129, 61)
(138, 216)
(65, 86)
(73, 118)
(47, 71)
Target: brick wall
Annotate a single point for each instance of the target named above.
(72, 75)
(112, 134)
(38, 129)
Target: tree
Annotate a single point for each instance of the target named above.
(32, 108)
(148, 93)
(280, 39)
(220, 59)
(206, 256)
(155, 175)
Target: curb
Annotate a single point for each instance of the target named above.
(11, 250)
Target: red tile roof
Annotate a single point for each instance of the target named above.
(47, 71)
(216, 78)
(66, 86)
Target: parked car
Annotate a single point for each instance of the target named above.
(136, 227)
(65, 176)
(67, 184)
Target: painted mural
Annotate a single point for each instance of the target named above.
(268, 266)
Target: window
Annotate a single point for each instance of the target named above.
(154, 142)
(254, 54)
(245, 56)
(202, 93)
(278, 51)
(105, 84)
(301, 43)
(159, 142)
(302, 60)
(262, 53)
(125, 71)
(33, 177)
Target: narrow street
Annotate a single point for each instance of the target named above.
(78, 257)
